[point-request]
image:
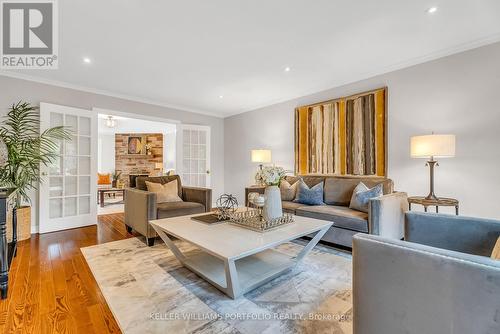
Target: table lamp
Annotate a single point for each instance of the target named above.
(261, 157)
(431, 147)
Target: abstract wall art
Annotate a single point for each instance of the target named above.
(343, 136)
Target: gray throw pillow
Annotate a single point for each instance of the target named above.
(362, 195)
(309, 196)
(288, 191)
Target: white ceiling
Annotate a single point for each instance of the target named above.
(187, 53)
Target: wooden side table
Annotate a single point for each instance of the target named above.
(253, 189)
(442, 201)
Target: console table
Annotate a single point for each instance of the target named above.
(7, 249)
(425, 202)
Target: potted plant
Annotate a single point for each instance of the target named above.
(27, 149)
(115, 176)
(271, 177)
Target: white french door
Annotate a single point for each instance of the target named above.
(195, 155)
(68, 193)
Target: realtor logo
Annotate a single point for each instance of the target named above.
(29, 34)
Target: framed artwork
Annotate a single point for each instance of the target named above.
(344, 136)
(136, 145)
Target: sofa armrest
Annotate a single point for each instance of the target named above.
(386, 215)
(462, 234)
(140, 208)
(198, 195)
(403, 287)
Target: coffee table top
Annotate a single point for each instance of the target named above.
(228, 241)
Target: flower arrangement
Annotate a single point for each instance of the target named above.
(270, 175)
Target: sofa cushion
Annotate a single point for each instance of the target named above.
(175, 209)
(338, 190)
(362, 195)
(341, 216)
(141, 182)
(287, 190)
(290, 207)
(165, 193)
(309, 196)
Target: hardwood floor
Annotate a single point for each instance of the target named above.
(51, 288)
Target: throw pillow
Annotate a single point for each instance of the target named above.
(495, 255)
(103, 178)
(288, 191)
(309, 196)
(362, 195)
(165, 193)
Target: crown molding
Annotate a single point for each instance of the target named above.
(68, 85)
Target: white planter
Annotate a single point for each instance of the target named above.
(272, 207)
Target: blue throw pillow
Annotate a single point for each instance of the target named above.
(309, 196)
(362, 195)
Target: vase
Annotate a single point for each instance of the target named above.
(272, 206)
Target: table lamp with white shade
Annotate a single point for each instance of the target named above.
(261, 157)
(431, 147)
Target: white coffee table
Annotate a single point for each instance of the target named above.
(234, 259)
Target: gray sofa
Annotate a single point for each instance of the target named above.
(439, 280)
(141, 206)
(385, 215)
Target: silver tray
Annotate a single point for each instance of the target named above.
(252, 219)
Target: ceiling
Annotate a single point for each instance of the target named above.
(223, 57)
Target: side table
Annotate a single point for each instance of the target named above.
(442, 201)
(253, 189)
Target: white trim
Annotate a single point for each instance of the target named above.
(134, 115)
(103, 92)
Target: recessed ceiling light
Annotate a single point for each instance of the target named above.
(287, 69)
(432, 10)
(87, 60)
(221, 96)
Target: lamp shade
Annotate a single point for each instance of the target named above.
(261, 156)
(437, 146)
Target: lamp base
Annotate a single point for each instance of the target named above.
(431, 163)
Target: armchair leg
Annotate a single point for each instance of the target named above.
(150, 241)
(129, 229)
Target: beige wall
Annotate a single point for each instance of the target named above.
(13, 90)
(459, 94)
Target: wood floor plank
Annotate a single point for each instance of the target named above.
(51, 287)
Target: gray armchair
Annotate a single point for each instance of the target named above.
(141, 206)
(439, 280)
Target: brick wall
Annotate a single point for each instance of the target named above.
(143, 164)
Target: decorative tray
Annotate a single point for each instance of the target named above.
(252, 219)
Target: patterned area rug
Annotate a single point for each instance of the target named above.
(148, 291)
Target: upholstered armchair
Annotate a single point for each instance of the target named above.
(441, 279)
(141, 205)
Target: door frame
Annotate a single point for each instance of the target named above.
(44, 188)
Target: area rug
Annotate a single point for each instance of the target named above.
(149, 291)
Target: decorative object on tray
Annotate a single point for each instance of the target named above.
(254, 220)
(271, 176)
(226, 204)
(256, 199)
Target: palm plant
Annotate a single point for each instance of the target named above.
(27, 149)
